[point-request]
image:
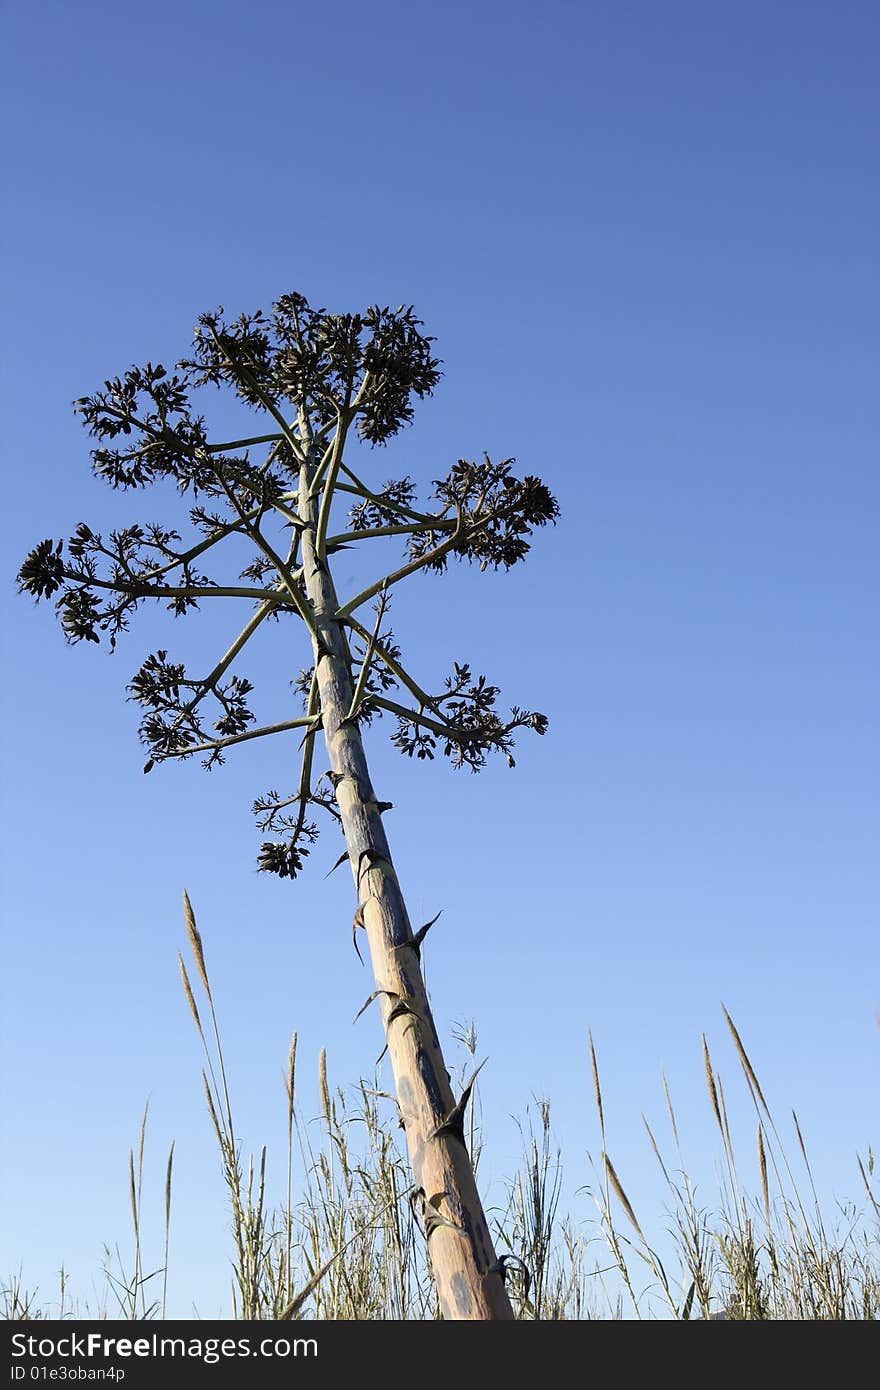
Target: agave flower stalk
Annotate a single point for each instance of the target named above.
(317, 380)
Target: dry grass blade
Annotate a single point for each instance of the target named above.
(190, 997)
(800, 1139)
(757, 1095)
(743, 1057)
(324, 1088)
(141, 1140)
(622, 1197)
(762, 1165)
(670, 1108)
(289, 1079)
(132, 1188)
(803, 1148)
(655, 1148)
(868, 1188)
(293, 1307)
(597, 1089)
(212, 1112)
(195, 942)
(168, 1173)
(805, 1156)
(725, 1127)
(134, 1194)
(710, 1082)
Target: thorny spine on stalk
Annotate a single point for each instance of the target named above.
(316, 379)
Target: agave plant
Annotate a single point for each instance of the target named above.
(314, 379)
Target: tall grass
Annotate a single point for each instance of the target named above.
(766, 1255)
(126, 1287)
(346, 1241)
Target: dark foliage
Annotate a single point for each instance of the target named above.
(385, 508)
(473, 730)
(314, 376)
(300, 353)
(172, 726)
(498, 514)
(43, 570)
(285, 856)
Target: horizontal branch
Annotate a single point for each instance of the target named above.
(230, 739)
(135, 589)
(244, 443)
(450, 731)
(405, 529)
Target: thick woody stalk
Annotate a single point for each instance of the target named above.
(462, 1257)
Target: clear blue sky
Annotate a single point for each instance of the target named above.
(645, 237)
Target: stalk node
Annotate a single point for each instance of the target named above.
(373, 857)
(430, 1212)
(416, 943)
(453, 1125)
(357, 921)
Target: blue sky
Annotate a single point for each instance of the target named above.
(645, 239)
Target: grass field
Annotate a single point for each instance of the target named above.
(346, 1242)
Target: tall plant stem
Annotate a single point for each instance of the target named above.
(462, 1257)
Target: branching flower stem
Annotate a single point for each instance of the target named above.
(359, 489)
(345, 417)
(304, 790)
(245, 444)
(347, 413)
(404, 572)
(248, 379)
(253, 530)
(394, 667)
(210, 681)
(450, 731)
(365, 664)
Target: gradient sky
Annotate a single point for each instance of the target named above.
(645, 239)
